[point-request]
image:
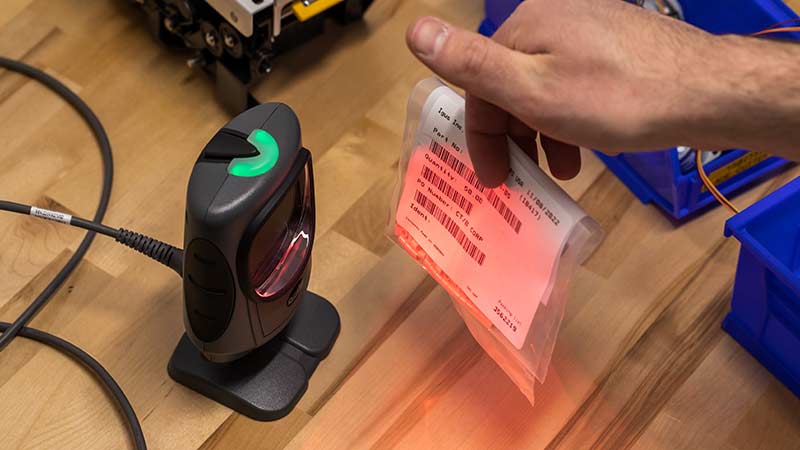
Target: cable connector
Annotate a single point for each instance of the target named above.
(162, 252)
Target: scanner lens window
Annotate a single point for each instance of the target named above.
(281, 247)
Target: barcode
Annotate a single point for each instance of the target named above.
(472, 179)
(455, 164)
(446, 189)
(451, 226)
(504, 211)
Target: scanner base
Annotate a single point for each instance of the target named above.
(267, 383)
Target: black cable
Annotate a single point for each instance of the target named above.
(105, 193)
(10, 331)
(74, 221)
(97, 369)
(162, 252)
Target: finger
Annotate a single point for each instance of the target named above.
(487, 126)
(477, 64)
(524, 137)
(564, 159)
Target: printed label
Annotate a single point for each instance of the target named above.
(734, 168)
(499, 246)
(55, 216)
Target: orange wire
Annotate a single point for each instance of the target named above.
(777, 30)
(784, 22)
(698, 158)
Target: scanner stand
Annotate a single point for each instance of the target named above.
(267, 383)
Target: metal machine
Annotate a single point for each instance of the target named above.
(235, 41)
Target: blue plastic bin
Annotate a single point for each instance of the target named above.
(497, 11)
(656, 177)
(765, 309)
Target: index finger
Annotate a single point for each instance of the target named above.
(486, 130)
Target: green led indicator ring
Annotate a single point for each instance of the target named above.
(261, 163)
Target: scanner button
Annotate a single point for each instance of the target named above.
(228, 146)
(266, 159)
(208, 290)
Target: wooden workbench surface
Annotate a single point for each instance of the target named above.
(640, 362)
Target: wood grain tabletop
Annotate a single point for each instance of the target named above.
(640, 362)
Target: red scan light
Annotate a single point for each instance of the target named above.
(415, 250)
(285, 242)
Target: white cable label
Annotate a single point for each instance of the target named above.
(499, 246)
(55, 216)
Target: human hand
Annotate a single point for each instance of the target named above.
(594, 73)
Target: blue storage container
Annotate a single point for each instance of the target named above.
(765, 309)
(656, 176)
(497, 11)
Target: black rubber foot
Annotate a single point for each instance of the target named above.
(267, 383)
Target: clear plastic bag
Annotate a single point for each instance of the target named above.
(504, 255)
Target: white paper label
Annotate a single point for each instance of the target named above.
(55, 216)
(499, 246)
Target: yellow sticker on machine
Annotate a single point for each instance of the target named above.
(735, 167)
(305, 10)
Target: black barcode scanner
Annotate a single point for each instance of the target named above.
(254, 335)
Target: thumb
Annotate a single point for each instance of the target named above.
(479, 65)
